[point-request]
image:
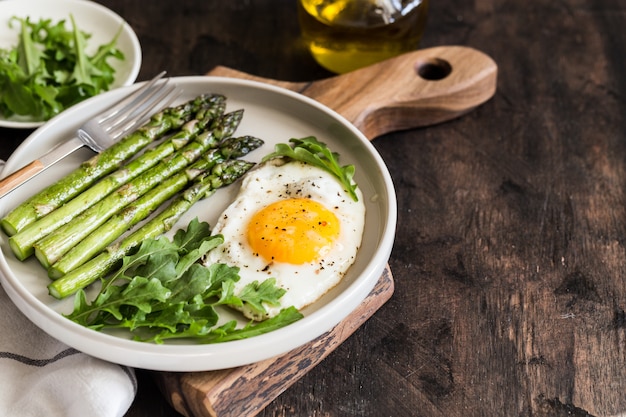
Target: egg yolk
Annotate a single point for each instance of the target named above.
(295, 231)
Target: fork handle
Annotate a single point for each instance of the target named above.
(19, 177)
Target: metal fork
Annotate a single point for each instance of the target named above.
(103, 130)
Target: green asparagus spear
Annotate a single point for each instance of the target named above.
(222, 174)
(101, 164)
(149, 202)
(49, 249)
(22, 242)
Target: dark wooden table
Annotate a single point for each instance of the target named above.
(510, 256)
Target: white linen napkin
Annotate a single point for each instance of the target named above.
(41, 376)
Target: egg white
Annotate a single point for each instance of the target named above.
(271, 182)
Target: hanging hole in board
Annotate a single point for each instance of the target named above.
(433, 69)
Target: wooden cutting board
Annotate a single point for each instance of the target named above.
(245, 391)
(417, 89)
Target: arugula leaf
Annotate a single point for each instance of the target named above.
(229, 332)
(198, 280)
(18, 98)
(162, 292)
(140, 293)
(255, 294)
(29, 55)
(82, 71)
(317, 153)
(195, 235)
(48, 70)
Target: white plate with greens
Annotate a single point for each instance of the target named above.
(93, 19)
(270, 113)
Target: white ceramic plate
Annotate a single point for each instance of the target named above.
(273, 114)
(101, 23)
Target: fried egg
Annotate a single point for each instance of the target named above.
(293, 222)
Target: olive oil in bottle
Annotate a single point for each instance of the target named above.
(344, 35)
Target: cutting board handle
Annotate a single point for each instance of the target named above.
(416, 89)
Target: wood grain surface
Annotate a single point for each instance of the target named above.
(510, 259)
(398, 93)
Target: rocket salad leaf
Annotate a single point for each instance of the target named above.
(48, 70)
(317, 153)
(161, 292)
